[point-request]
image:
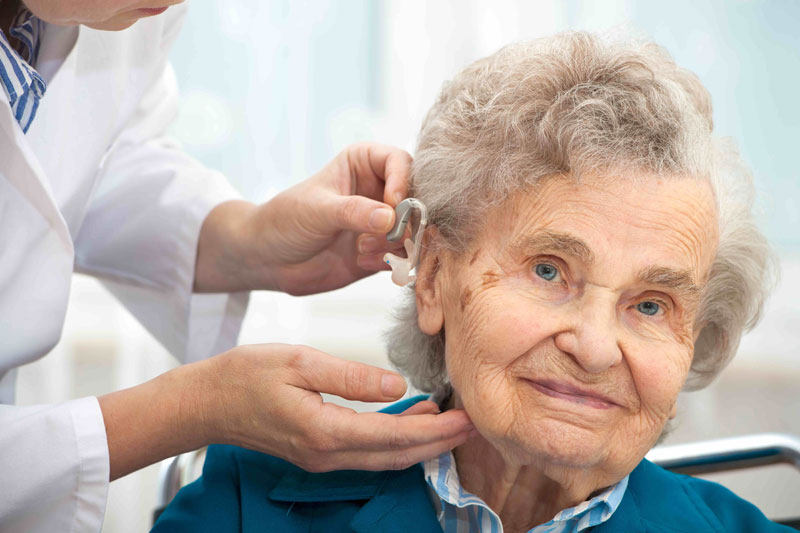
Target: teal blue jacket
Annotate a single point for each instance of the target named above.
(242, 490)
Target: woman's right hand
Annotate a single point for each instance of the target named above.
(267, 398)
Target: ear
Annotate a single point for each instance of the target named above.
(674, 411)
(697, 330)
(428, 286)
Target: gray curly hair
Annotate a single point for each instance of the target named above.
(576, 104)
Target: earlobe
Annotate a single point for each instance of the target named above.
(428, 291)
(674, 411)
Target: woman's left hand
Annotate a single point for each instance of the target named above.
(306, 239)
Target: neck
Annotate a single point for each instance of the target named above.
(524, 495)
(8, 10)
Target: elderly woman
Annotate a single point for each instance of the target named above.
(591, 253)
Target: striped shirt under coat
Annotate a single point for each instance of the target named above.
(459, 511)
(21, 83)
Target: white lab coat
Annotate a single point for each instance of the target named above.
(96, 187)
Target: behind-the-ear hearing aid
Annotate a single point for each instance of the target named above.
(402, 266)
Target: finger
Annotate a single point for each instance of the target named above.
(397, 170)
(387, 163)
(359, 214)
(382, 432)
(319, 372)
(372, 262)
(398, 459)
(373, 244)
(425, 407)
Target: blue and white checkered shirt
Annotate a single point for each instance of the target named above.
(21, 83)
(461, 512)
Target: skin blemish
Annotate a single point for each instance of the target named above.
(490, 277)
(466, 297)
(475, 257)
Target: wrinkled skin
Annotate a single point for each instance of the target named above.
(592, 285)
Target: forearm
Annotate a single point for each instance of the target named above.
(267, 398)
(157, 419)
(225, 252)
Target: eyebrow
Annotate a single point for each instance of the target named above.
(677, 280)
(680, 281)
(553, 241)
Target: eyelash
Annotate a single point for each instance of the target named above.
(552, 262)
(663, 305)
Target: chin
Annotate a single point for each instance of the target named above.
(564, 444)
(122, 21)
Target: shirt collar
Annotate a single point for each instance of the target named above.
(442, 478)
(23, 86)
(27, 28)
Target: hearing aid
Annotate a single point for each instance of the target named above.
(402, 266)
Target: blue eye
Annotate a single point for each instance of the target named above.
(546, 271)
(648, 308)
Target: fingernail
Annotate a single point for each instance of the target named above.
(368, 244)
(398, 197)
(392, 385)
(380, 219)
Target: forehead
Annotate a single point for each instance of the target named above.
(644, 219)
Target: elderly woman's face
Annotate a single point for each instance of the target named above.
(569, 324)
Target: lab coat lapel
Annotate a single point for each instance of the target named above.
(20, 168)
(66, 132)
(36, 255)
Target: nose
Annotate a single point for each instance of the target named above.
(592, 338)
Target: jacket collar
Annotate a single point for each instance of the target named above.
(399, 501)
(657, 500)
(396, 500)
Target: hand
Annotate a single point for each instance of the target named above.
(307, 235)
(266, 398)
(304, 240)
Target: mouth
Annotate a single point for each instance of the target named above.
(556, 389)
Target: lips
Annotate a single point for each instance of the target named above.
(151, 11)
(557, 389)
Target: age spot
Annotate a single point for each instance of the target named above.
(466, 298)
(490, 277)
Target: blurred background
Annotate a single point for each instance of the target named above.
(293, 83)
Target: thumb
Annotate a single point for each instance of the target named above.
(360, 214)
(320, 372)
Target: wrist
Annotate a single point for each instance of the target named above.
(155, 420)
(256, 234)
(196, 386)
(227, 249)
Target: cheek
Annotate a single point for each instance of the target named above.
(495, 326)
(485, 338)
(658, 374)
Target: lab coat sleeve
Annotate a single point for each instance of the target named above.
(141, 231)
(57, 479)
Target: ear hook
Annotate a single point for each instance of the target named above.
(401, 266)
